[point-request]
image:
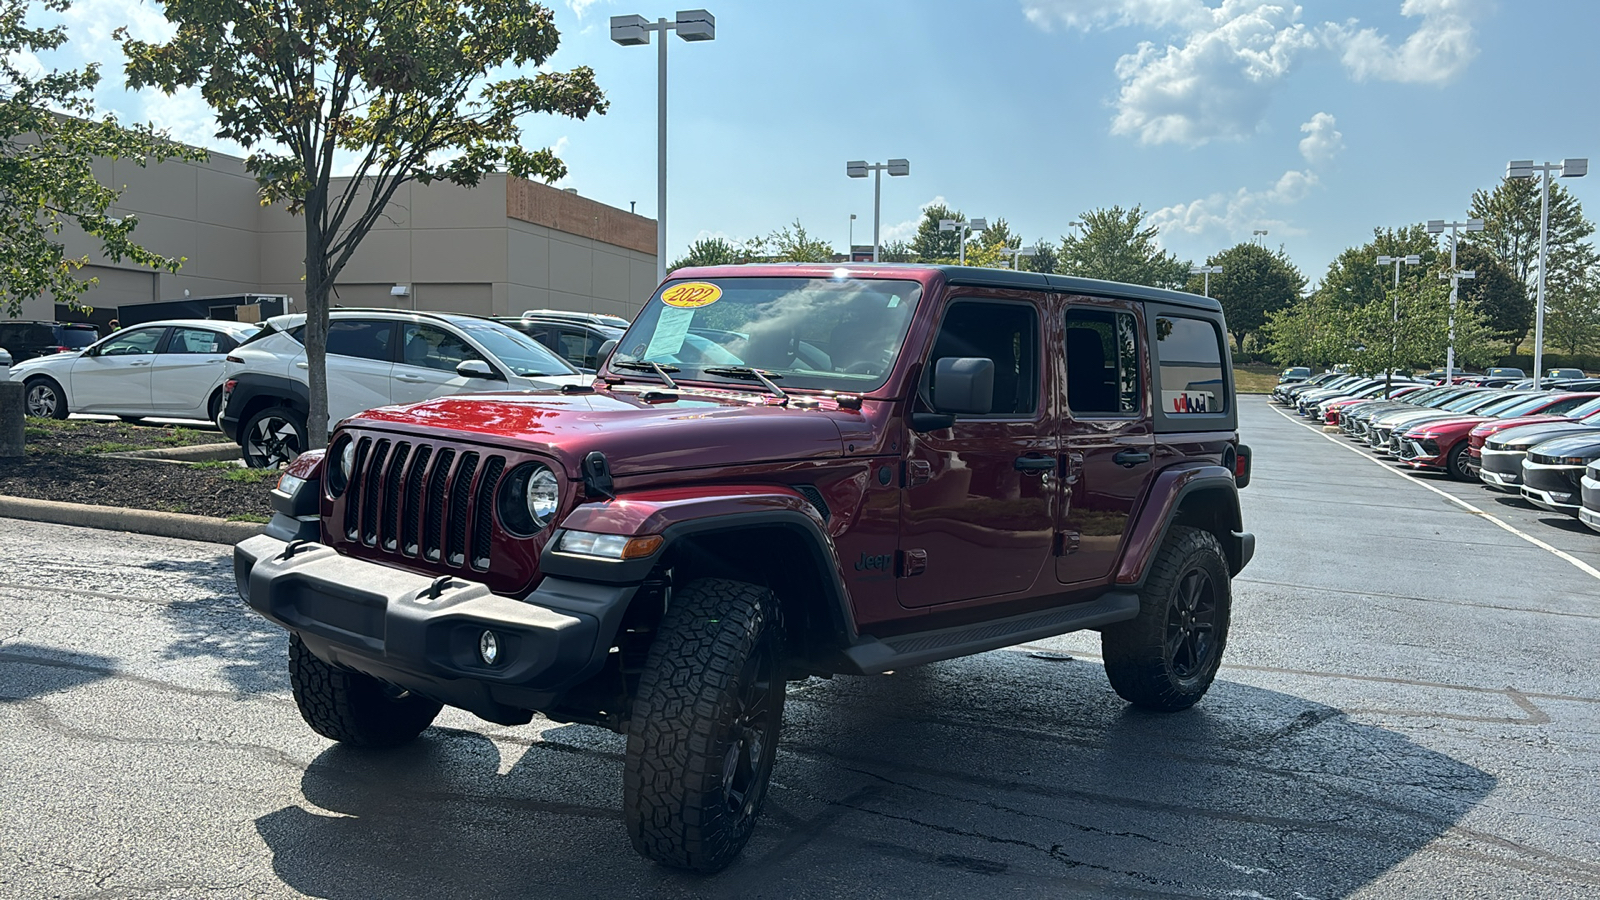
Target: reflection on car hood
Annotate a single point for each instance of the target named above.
(1585, 445)
(1528, 435)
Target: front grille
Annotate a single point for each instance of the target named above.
(419, 501)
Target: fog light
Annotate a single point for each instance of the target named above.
(489, 647)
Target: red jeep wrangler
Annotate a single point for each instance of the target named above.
(781, 471)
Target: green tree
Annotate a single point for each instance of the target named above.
(389, 91)
(1355, 279)
(1572, 315)
(792, 243)
(711, 252)
(1504, 300)
(896, 251)
(1254, 281)
(1044, 258)
(1510, 214)
(932, 245)
(49, 137)
(1116, 245)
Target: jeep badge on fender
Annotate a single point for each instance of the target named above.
(780, 471)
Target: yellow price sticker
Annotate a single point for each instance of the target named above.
(691, 295)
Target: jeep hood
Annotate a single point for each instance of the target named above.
(637, 437)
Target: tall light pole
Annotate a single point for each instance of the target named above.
(630, 31)
(1394, 314)
(1207, 271)
(1020, 251)
(850, 250)
(858, 168)
(1259, 233)
(1524, 168)
(1437, 226)
(963, 228)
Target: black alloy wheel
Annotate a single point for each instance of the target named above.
(45, 399)
(273, 437)
(1191, 623)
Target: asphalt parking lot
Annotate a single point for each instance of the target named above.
(1409, 708)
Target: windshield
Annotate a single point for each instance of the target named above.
(1525, 406)
(1508, 403)
(78, 338)
(813, 333)
(521, 354)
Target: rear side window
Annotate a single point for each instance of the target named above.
(1191, 376)
(1102, 363)
(78, 338)
(362, 338)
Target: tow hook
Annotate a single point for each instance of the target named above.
(439, 586)
(292, 548)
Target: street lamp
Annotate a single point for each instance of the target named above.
(858, 168)
(1207, 271)
(1020, 251)
(1259, 232)
(963, 228)
(1437, 226)
(1394, 314)
(632, 31)
(850, 250)
(1524, 168)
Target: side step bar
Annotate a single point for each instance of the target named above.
(873, 656)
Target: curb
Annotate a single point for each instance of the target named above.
(193, 453)
(136, 521)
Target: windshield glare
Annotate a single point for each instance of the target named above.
(814, 333)
(521, 354)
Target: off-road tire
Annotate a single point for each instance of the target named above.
(266, 430)
(1150, 660)
(695, 720)
(43, 383)
(353, 708)
(132, 420)
(1458, 461)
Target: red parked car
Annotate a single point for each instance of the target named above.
(1332, 409)
(1443, 444)
(1487, 429)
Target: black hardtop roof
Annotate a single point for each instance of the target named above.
(977, 276)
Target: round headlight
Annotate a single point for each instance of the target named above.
(339, 474)
(347, 460)
(528, 499)
(543, 495)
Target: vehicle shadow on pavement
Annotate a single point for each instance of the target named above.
(246, 649)
(975, 777)
(28, 671)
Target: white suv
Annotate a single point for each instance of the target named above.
(375, 358)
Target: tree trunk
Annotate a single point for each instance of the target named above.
(318, 287)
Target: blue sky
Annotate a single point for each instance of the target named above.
(1316, 122)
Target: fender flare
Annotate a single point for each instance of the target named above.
(679, 516)
(1167, 493)
(248, 386)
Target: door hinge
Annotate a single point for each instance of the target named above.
(918, 471)
(912, 562)
(1067, 542)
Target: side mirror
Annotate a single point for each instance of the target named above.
(604, 353)
(963, 385)
(476, 368)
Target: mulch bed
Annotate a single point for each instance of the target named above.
(63, 464)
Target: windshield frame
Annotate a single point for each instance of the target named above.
(811, 342)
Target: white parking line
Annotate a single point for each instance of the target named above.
(1582, 566)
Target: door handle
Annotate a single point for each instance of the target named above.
(1034, 463)
(145, 363)
(302, 365)
(1130, 458)
(409, 378)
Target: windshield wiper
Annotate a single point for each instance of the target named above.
(645, 365)
(753, 374)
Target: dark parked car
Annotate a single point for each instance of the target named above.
(1552, 472)
(1500, 465)
(30, 340)
(575, 337)
(1565, 374)
(990, 458)
(1294, 374)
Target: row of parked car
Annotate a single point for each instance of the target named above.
(251, 378)
(1541, 444)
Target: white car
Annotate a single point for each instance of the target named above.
(375, 358)
(172, 369)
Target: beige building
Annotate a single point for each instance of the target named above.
(496, 249)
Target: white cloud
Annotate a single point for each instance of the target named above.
(1211, 74)
(1322, 141)
(1435, 53)
(579, 7)
(1234, 216)
(901, 231)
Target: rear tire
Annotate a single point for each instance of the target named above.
(1166, 658)
(353, 708)
(704, 731)
(45, 399)
(273, 437)
(132, 420)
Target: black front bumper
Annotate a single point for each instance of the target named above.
(422, 633)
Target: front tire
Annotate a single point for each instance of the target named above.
(273, 437)
(704, 731)
(1166, 658)
(353, 708)
(1457, 462)
(45, 399)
